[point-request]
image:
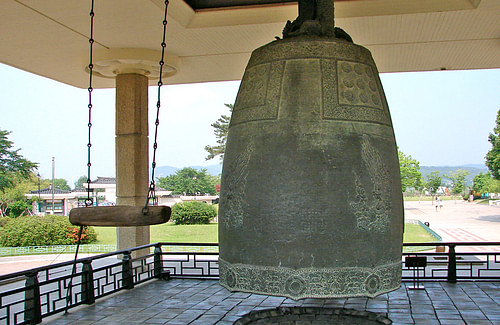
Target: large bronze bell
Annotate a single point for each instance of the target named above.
(311, 202)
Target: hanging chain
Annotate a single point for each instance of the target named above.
(89, 200)
(151, 192)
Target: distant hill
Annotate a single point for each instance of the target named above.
(473, 170)
(162, 171)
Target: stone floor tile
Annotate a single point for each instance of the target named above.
(355, 306)
(377, 304)
(398, 311)
(451, 321)
(422, 309)
(492, 316)
(447, 313)
(173, 322)
(230, 318)
(192, 301)
(357, 300)
(241, 310)
(400, 318)
(425, 321)
(396, 303)
(240, 295)
(170, 312)
(156, 321)
(472, 314)
(203, 305)
(206, 320)
(218, 310)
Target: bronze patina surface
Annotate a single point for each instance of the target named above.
(311, 202)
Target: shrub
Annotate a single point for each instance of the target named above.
(3, 221)
(17, 208)
(193, 213)
(43, 231)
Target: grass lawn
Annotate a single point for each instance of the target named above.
(208, 234)
(167, 233)
(430, 198)
(416, 234)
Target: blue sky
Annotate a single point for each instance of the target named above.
(440, 118)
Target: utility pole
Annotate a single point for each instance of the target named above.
(53, 173)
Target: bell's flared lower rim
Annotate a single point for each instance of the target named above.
(333, 282)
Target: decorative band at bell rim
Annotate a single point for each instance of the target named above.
(311, 202)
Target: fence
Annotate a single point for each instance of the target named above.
(70, 249)
(29, 296)
(57, 249)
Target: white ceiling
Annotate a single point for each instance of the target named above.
(50, 37)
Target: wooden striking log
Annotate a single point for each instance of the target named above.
(119, 216)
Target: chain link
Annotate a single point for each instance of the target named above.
(89, 201)
(151, 193)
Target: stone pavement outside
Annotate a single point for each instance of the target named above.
(458, 220)
(12, 264)
(204, 302)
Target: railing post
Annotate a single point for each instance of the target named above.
(88, 296)
(158, 263)
(32, 306)
(127, 272)
(452, 264)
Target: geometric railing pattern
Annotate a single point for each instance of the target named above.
(29, 296)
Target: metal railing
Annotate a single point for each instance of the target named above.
(29, 296)
(456, 261)
(55, 249)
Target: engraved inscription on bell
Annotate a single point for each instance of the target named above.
(311, 201)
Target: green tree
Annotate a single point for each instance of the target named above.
(61, 184)
(481, 183)
(494, 186)
(17, 208)
(20, 186)
(80, 181)
(433, 181)
(410, 172)
(11, 162)
(458, 180)
(221, 128)
(493, 156)
(190, 181)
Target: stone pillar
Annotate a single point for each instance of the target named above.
(132, 157)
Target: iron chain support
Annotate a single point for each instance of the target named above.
(89, 201)
(151, 193)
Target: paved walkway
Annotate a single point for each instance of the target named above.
(205, 302)
(12, 264)
(459, 221)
